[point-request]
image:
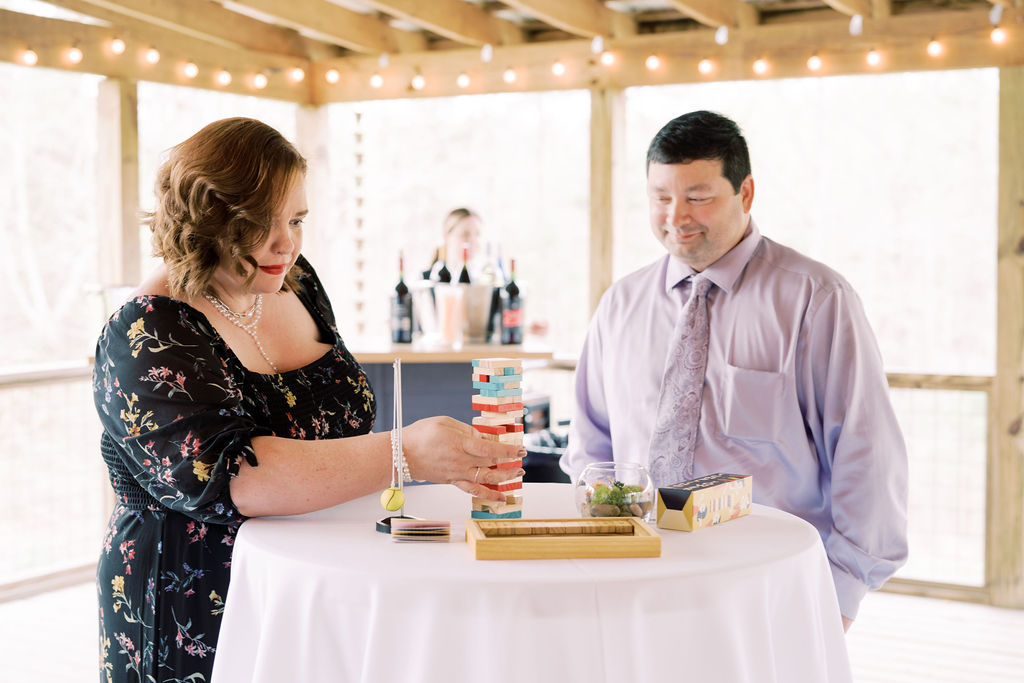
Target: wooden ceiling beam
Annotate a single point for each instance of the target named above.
(51, 38)
(852, 7)
(901, 39)
(587, 18)
(357, 32)
(201, 19)
(454, 19)
(715, 13)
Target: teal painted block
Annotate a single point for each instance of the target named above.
(479, 514)
(501, 392)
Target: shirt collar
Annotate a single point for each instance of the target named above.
(725, 271)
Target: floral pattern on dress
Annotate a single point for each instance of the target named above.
(179, 411)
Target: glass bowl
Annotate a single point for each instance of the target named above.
(615, 489)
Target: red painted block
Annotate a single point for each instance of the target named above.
(497, 408)
(491, 429)
(507, 465)
(513, 486)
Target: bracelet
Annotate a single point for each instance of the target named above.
(399, 466)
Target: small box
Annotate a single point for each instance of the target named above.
(704, 501)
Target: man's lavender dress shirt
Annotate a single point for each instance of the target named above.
(794, 394)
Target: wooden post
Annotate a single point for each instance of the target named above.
(1005, 542)
(607, 127)
(118, 173)
(313, 140)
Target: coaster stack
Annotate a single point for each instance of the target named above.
(498, 382)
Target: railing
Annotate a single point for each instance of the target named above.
(53, 497)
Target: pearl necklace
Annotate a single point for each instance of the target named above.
(245, 321)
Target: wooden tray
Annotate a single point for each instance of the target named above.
(549, 539)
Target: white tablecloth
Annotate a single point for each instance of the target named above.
(325, 597)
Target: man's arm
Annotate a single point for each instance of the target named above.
(859, 445)
(589, 432)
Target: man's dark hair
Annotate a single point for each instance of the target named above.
(702, 135)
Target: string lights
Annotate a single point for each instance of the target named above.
(74, 55)
(874, 58)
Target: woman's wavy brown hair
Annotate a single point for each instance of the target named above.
(216, 195)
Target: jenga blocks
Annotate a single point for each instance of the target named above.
(499, 399)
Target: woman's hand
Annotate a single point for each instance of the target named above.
(446, 451)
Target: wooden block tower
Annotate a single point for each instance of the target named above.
(498, 382)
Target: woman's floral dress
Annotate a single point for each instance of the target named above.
(179, 411)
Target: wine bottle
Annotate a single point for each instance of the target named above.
(444, 275)
(511, 310)
(464, 275)
(401, 308)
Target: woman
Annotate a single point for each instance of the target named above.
(462, 229)
(226, 392)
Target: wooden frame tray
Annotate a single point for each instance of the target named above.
(549, 539)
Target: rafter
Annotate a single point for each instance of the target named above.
(353, 30)
(587, 18)
(197, 18)
(715, 13)
(454, 19)
(851, 7)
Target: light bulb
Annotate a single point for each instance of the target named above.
(705, 66)
(509, 76)
(332, 76)
(74, 55)
(29, 57)
(152, 55)
(260, 81)
(652, 62)
(376, 81)
(296, 75)
(760, 67)
(487, 53)
(223, 77)
(558, 69)
(117, 46)
(873, 58)
(998, 35)
(934, 48)
(418, 82)
(607, 58)
(722, 35)
(462, 80)
(814, 63)
(191, 70)
(597, 45)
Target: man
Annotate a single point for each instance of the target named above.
(793, 391)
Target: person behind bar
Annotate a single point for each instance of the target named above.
(225, 391)
(794, 392)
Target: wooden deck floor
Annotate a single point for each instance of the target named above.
(896, 639)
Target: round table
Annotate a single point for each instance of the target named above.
(325, 597)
